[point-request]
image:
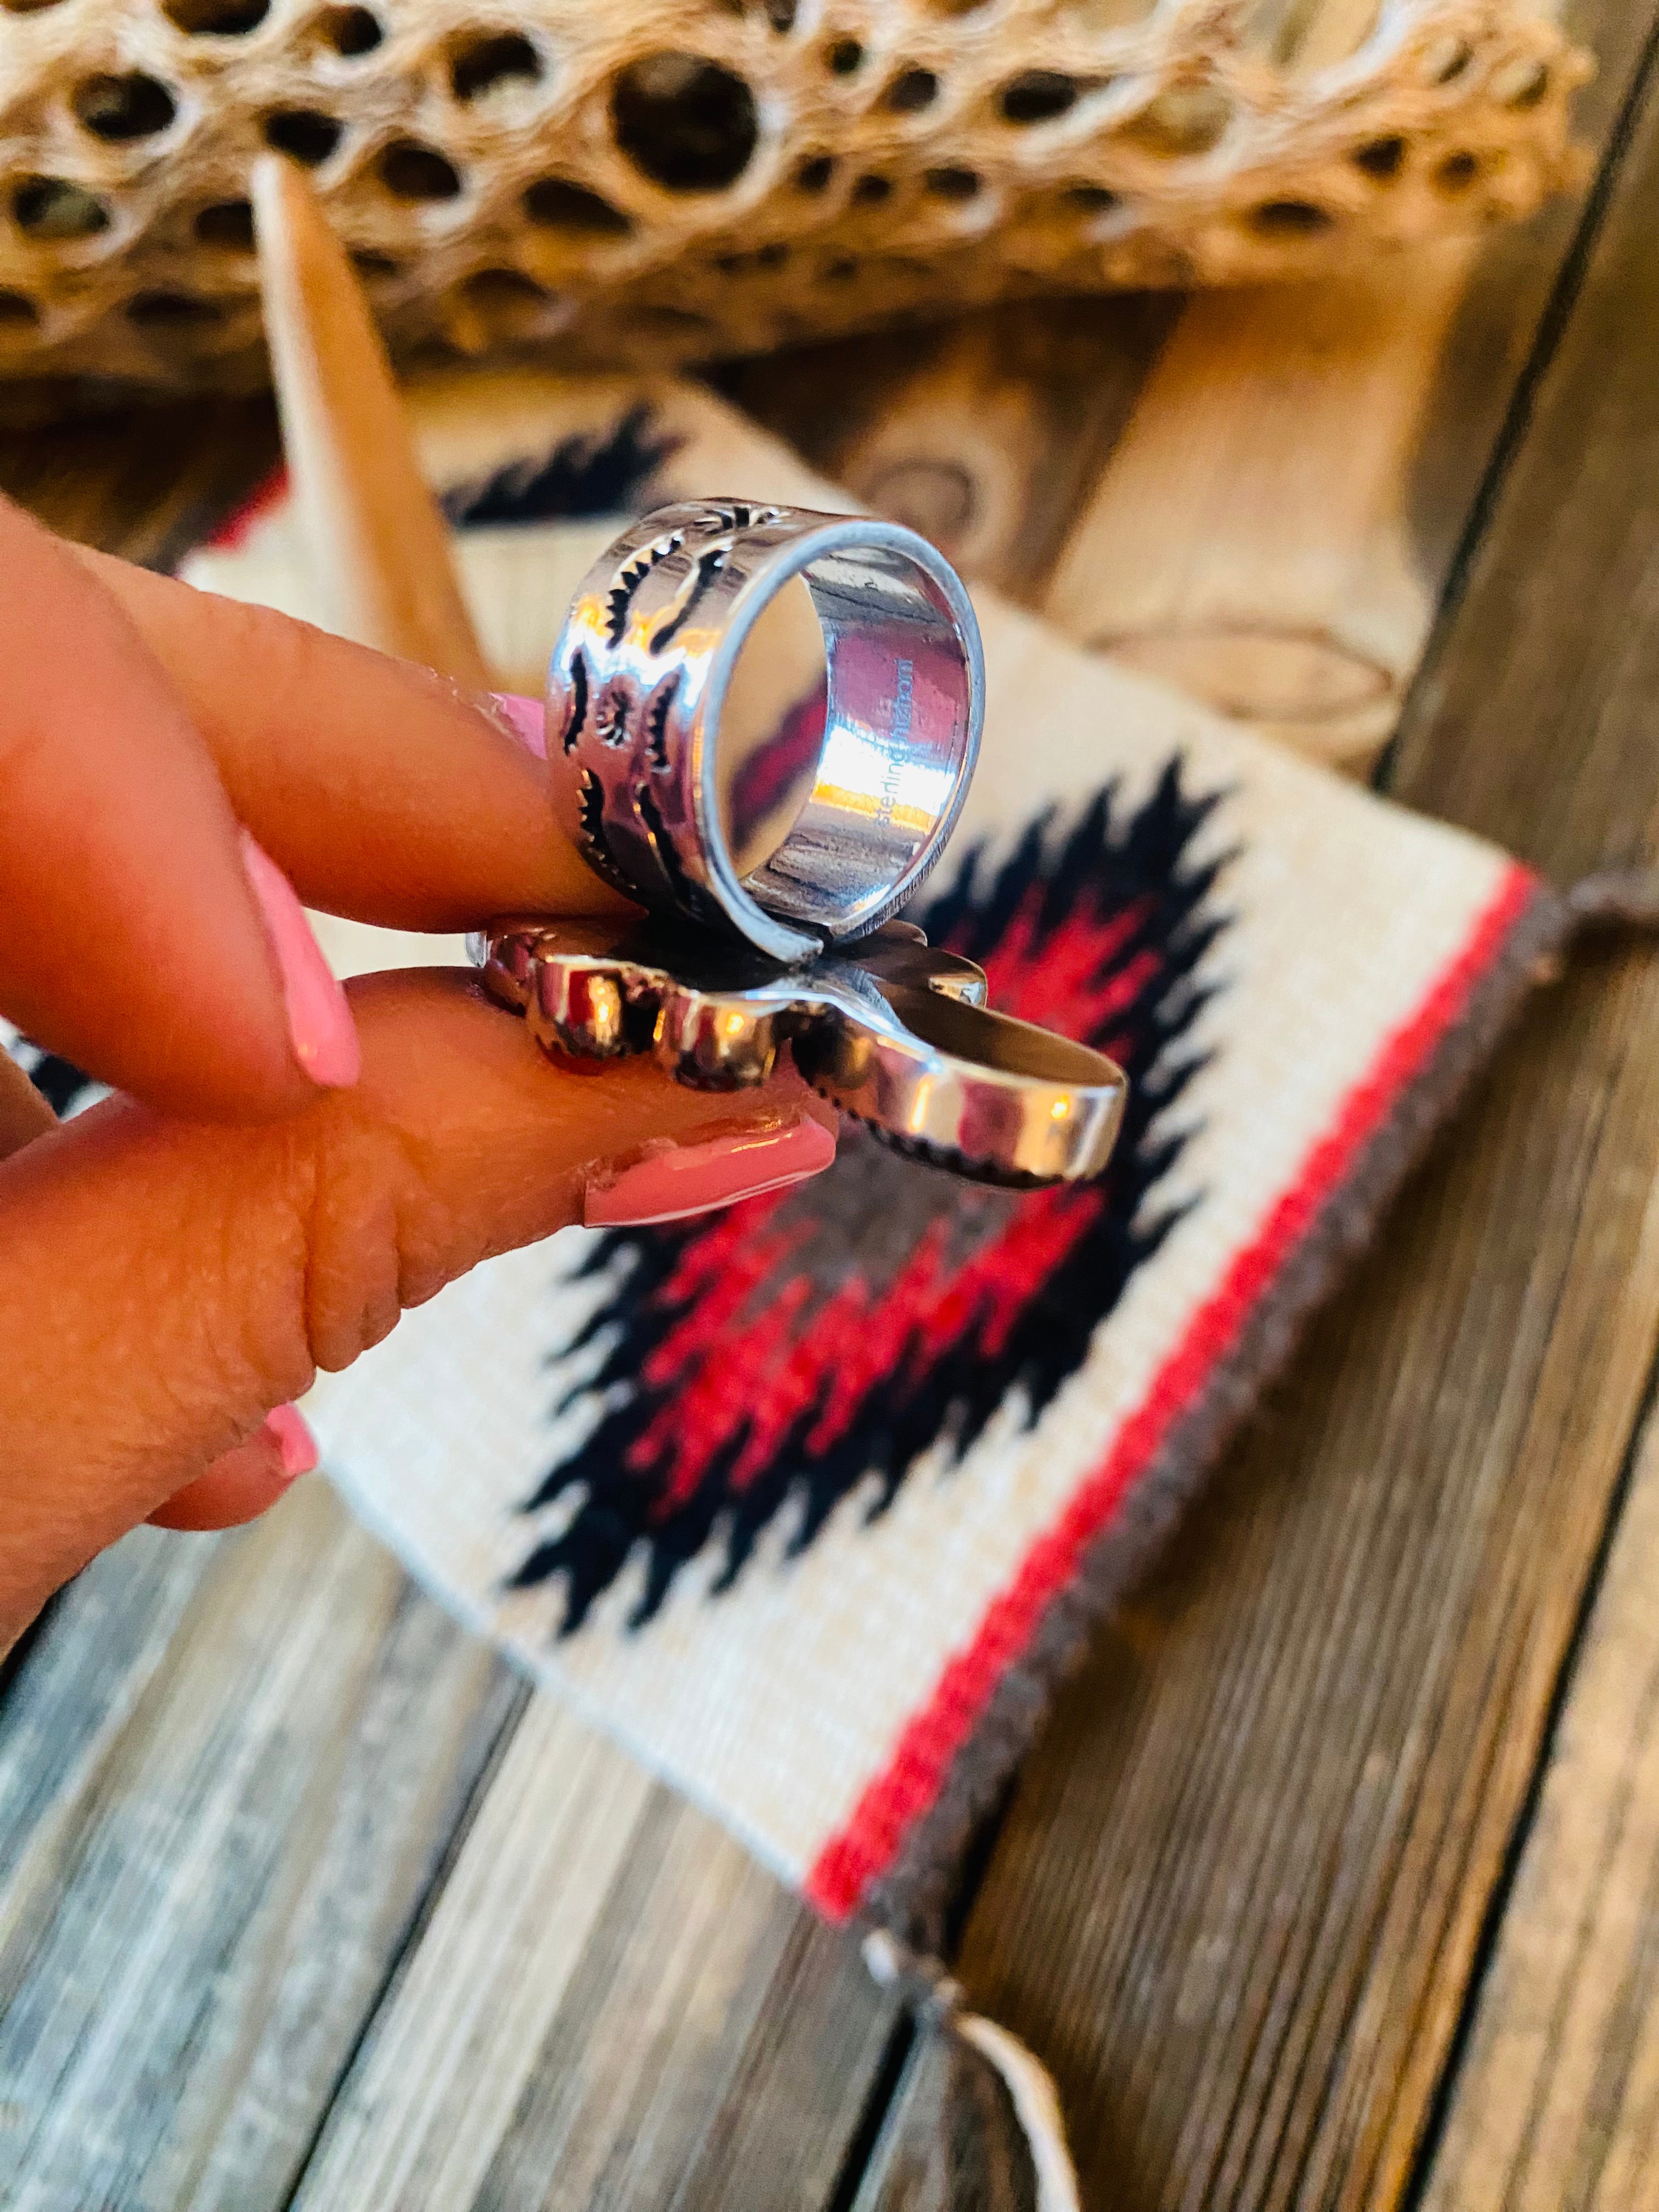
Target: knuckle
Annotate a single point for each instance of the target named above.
(376, 1241)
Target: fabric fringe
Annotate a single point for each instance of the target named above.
(935, 1997)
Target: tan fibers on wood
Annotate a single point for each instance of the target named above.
(661, 180)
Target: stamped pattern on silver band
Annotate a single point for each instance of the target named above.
(639, 679)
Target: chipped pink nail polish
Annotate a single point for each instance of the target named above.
(526, 717)
(320, 1024)
(296, 1444)
(677, 1180)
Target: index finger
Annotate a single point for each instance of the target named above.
(382, 790)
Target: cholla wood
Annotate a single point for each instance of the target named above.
(659, 179)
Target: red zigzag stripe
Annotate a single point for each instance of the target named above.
(930, 1740)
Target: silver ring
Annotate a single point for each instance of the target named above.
(638, 679)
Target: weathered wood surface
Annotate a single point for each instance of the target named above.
(1557, 2100)
(1236, 1898)
(229, 1769)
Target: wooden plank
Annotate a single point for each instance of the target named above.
(229, 1769)
(1557, 2102)
(1249, 540)
(140, 481)
(612, 2004)
(1237, 1896)
(985, 435)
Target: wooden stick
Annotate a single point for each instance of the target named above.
(379, 543)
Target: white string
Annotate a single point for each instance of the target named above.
(1036, 2105)
(1030, 2085)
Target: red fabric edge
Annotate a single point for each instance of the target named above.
(232, 532)
(931, 1738)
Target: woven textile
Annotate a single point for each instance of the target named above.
(809, 1501)
(652, 180)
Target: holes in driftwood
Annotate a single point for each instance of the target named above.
(1521, 83)
(951, 183)
(17, 311)
(841, 271)
(370, 263)
(677, 323)
(305, 132)
(1381, 158)
(686, 123)
(489, 60)
(508, 302)
(871, 190)
(843, 57)
(227, 223)
(411, 171)
(814, 173)
(1089, 199)
(1289, 218)
(773, 255)
(1446, 61)
(1187, 119)
(350, 31)
(221, 19)
(172, 313)
(1037, 96)
(561, 204)
(118, 109)
(51, 208)
(911, 90)
(1457, 171)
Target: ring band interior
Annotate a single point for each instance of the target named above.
(897, 727)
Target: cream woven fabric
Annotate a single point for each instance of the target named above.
(808, 1502)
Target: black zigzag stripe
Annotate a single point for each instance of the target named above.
(1138, 862)
(584, 475)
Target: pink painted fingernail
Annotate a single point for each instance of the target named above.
(677, 1180)
(526, 717)
(296, 1444)
(320, 1024)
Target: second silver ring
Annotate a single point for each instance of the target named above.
(640, 678)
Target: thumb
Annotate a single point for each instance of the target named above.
(164, 1284)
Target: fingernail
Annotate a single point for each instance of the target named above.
(525, 719)
(320, 1024)
(678, 1180)
(296, 1444)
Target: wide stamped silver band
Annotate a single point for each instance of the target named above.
(640, 676)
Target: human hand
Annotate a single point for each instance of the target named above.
(287, 1165)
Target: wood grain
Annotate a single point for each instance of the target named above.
(229, 1769)
(1249, 540)
(985, 435)
(1557, 2102)
(611, 2004)
(143, 482)
(1239, 1892)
